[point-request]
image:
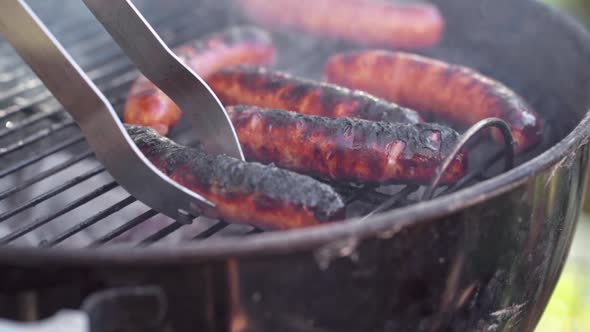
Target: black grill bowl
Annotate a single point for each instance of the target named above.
(484, 258)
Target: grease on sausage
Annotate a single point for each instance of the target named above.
(346, 149)
(435, 88)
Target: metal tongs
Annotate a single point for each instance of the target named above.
(97, 118)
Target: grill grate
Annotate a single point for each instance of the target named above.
(35, 130)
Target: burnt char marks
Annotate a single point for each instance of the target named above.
(418, 137)
(296, 92)
(438, 90)
(229, 177)
(258, 86)
(379, 110)
(278, 184)
(345, 149)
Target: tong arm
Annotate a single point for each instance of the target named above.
(94, 114)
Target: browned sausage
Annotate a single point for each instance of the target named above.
(243, 192)
(147, 105)
(444, 91)
(367, 22)
(346, 149)
(272, 89)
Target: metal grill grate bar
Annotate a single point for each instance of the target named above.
(36, 137)
(55, 109)
(60, 28)
(220, 225)
(47, 195)
(89, 222)
(44, 220)
(21, 87)
(126, 227)
(113, 72)
(174, 20)
(255, 231)
(43, 175)
(22, 164)
(31, 120)
(99, 72)
(85, 39)
(19, 107)
(162, 233)
(13, 75)
(112, 57)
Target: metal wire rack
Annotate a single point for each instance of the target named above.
(34, 129)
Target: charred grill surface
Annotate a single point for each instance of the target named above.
(147, 105)
(256, 86)
(346, 149)
(243, 192)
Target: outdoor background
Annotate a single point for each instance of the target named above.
(569, 309)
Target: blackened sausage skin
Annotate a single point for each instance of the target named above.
(346, 149)
(261, 87)
(243, 192)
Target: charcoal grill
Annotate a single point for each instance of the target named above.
(484, 254)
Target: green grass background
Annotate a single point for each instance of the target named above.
(569, 308)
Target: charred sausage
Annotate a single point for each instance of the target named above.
(147, 105)
(346, 149)
(272, 89)
(441, 90)
(367, 22)
(243, 192)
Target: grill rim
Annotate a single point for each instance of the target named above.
(274, 243)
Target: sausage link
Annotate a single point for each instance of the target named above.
(147, 105)
(437, 89)
(366, 22)
(249, 193)
(272, 89)
(346, 149)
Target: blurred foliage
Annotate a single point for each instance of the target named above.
(569, 309)
(578, 8)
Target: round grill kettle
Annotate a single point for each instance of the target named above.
(486, 257)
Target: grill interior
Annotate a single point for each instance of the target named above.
(54, 192)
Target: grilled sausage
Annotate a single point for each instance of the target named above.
(366, 22)
(243, 192)
(455, 93)
(147, 105)
(346, 149)
(270, 89)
